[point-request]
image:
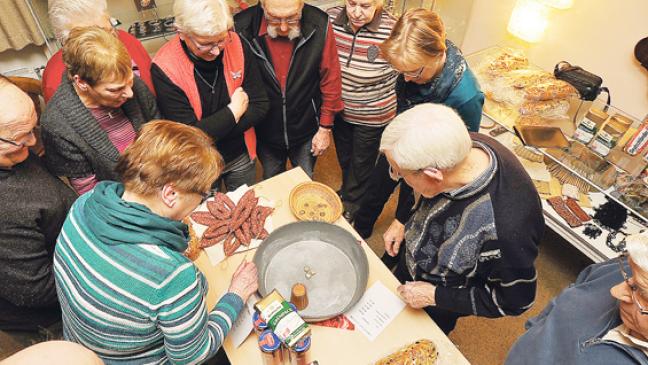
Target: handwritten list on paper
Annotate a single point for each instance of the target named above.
(375, 310)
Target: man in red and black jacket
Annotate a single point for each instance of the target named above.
(295, 46)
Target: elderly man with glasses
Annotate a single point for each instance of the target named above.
(34, 205)
(600, 319)
(207, 77)
(471, 242)
(295, 46)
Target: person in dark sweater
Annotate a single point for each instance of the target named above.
(207, 77)
(472, 240)
(34, 205)
(433, 70)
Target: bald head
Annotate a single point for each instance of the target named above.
(283, 8)
(18, 105)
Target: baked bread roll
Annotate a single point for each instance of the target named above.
(421, 352)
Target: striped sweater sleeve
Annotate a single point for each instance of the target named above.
(191, 334)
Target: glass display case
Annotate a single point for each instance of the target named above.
(603, 157)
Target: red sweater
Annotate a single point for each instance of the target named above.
(281, 49)
(54, 69)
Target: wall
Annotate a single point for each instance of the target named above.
(598, 35)
(30, 57)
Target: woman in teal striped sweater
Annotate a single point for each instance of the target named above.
(126, 290)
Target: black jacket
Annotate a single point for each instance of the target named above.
(294, 114)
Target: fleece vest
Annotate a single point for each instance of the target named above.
(173, 60)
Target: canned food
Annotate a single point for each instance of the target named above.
(259, 324)
(299, 354)
(270, 347)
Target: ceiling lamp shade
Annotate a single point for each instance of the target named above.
(529, 20)
(559, 4)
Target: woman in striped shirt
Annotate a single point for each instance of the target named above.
(360, 26)
(125, 288)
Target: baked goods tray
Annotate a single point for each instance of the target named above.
(326, 258)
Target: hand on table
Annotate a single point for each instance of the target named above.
(239, 103)
(244, 280)
(393, 237)
(417, 294)
(321, 141)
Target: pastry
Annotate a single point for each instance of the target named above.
(421, 352)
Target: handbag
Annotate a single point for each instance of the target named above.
(588, 84)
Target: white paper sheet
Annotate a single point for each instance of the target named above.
(215, 252)
(375, 310)
(243, 325)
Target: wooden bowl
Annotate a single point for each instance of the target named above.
(313, 201)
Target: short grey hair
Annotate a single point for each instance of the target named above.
(428, 135)
(637, 247)
(64, 14)
(202, 17)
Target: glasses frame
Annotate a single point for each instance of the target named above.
(18, 144)
(279, 21)
(204, 196)
(633, 288)
(210, 47)
(414, 75)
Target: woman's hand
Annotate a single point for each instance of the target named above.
(417, 294)
(321, 141)
(245, 280)
(239, 103)
(393, 237)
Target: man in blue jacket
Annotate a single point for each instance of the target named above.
(601, 319)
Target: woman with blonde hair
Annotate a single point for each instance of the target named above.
(207, 77)
(127, 292)
(368, 80)
(433, 70)
(96, 111)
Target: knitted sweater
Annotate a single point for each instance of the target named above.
(478, 243)
(75, 144)
(33, 205)
(126, 290)
(368, 80)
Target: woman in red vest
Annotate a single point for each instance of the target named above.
(206, 76)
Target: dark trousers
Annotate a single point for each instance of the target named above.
(357, 151)
(274, 158)
(446, 320)
(241, 170)
(379, 187)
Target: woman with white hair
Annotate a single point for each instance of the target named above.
(471, 243)
(207, 77)
(64, 15)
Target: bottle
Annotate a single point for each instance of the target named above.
(606, 139)
(271, 350)
(590, 124)
(300, 353)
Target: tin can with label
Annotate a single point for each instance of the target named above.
(259, 324)
(270, 346)
(300, 353)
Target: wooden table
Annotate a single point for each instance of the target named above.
(330, 345)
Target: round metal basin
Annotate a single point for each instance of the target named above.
(326, 258)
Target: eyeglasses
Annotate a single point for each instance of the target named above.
(210, 47)
(414, 75)
(16, 143)
(633, 287)
(289, 21)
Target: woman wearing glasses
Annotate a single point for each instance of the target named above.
(368, 93)
(600, 319)
(433, 70)
(126, 290)
(207, 77)
(96, 111)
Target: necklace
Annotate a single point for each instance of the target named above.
(211, 86)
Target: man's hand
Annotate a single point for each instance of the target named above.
(239, 103)
(393, 237)
(321, 141)
(417, 294)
